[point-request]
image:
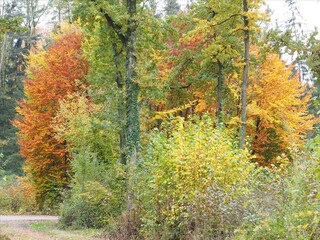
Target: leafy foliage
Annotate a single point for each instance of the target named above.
(52, 75)
(185, 166)
(12, 31)
(278, 109)
(291, 206)
(17, 195)
(172, 7)
(98, 178)
(187, 178)
(13, 24)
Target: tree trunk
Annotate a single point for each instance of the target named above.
(130, 135)
(132, 108)
(2, 58)
(132, 89)
(220, 86)
(243, 127)
(69, 7)
(121, 103)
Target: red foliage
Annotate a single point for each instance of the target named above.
(62, 73)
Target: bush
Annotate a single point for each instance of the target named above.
(4, 237)
(17, 195)
(286, 203)
(192, 182)
(97, 181)
(87, 208)
(97, 192)
(195, 183)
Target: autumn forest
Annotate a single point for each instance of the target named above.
(153, 120)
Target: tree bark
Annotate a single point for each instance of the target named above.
(132, 88)
(132, 126)
(132, 107)
(2, 58)
(220, 86)
(243, 127)
(121, 103)
(130, 133)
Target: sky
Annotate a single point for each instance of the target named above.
(309, 10)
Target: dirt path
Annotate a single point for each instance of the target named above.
(15, 227)
(22, 218)
(19, 227)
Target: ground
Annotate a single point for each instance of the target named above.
(30, 227)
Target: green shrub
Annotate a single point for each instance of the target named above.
(286, 204)
(195, 183)
(97, 192)
(87, 208)
(97, 181)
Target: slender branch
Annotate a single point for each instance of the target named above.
(116, 27)
(227, 19)
(180, 87)
(183, 66)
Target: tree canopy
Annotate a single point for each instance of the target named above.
(52, 75)
(180, 124)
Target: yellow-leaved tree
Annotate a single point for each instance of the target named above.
(277, 110)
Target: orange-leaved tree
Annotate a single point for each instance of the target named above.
(277, 110)
(52, 74)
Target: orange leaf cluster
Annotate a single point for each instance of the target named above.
(278, 109)
(59, 71)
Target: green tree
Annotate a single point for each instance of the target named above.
(313, 62)
(172, 7)
(62, 11)
(18, 24)
(121, 21)
(204, 53)
(220, 21)
(11, 73)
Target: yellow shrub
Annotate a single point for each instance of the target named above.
(185, 165)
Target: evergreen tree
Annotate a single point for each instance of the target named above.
(172, 7)
(19, 20)
(61, 11)
(10, 86)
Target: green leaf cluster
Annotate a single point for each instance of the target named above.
(98, 178)
(285, 203)
(11, 24)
